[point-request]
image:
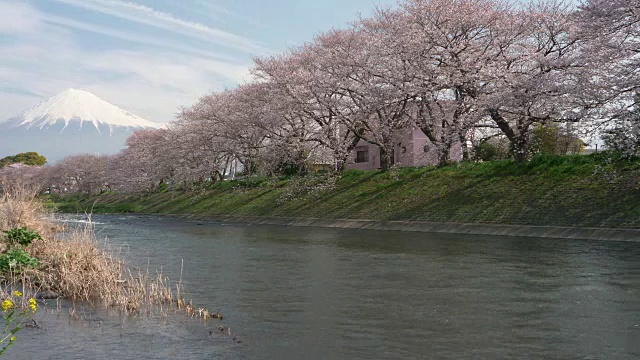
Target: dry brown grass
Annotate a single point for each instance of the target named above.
(19, 207)
(73, 266)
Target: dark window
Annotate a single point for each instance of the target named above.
(362, 155)
(404, 149)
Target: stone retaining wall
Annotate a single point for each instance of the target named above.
(452, 228)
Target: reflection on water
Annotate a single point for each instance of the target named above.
(293, 293)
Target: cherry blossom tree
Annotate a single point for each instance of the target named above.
(535, 77)
(288, 139)
(79, 173)
(300, 79)
(217, 123)
(146, 162)
(18, 175)
(353, 63)
(438, 54)
(610, 30)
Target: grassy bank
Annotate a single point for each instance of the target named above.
(586, 191)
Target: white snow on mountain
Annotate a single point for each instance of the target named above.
(70, 123)
(81, 107)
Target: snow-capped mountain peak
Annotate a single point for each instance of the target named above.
(70, 123)
(79, 107)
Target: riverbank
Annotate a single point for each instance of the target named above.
(41, 255)
(589, 192)
(46, 258)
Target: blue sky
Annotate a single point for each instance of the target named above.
(150, 56)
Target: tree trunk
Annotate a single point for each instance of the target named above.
(442, 142)
(226, 166)
(519, 140)
(341, 158)
(466, 153)
(341, 161)
(444, 157)
(385, 159)
(444, 150)
(246, 166)
(521, 147)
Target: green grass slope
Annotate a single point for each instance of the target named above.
(585, 191)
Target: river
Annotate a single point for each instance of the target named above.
(319, 293)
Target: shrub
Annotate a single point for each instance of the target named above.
(21, 236)
(492, 149)
(624, 139)
(290, 169)
(15, 260)
(551, 140)
(623, 134)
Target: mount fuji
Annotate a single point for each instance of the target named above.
(70, 123)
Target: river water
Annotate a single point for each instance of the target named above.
(315, 293)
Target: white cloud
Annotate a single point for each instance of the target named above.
(151, 79)
(212, 9)
(146, 40)
(151, 17)
(150, 85)
(17, 17)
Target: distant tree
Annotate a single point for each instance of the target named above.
(28, 158)
(214, 130)
(22, 177)
(78, 173)
(150, 159)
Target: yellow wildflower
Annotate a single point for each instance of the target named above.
(7, 305)
(17, 293)
(32, 305)
(13, 338)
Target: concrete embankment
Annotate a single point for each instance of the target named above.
(554, 232)
(579, 197)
